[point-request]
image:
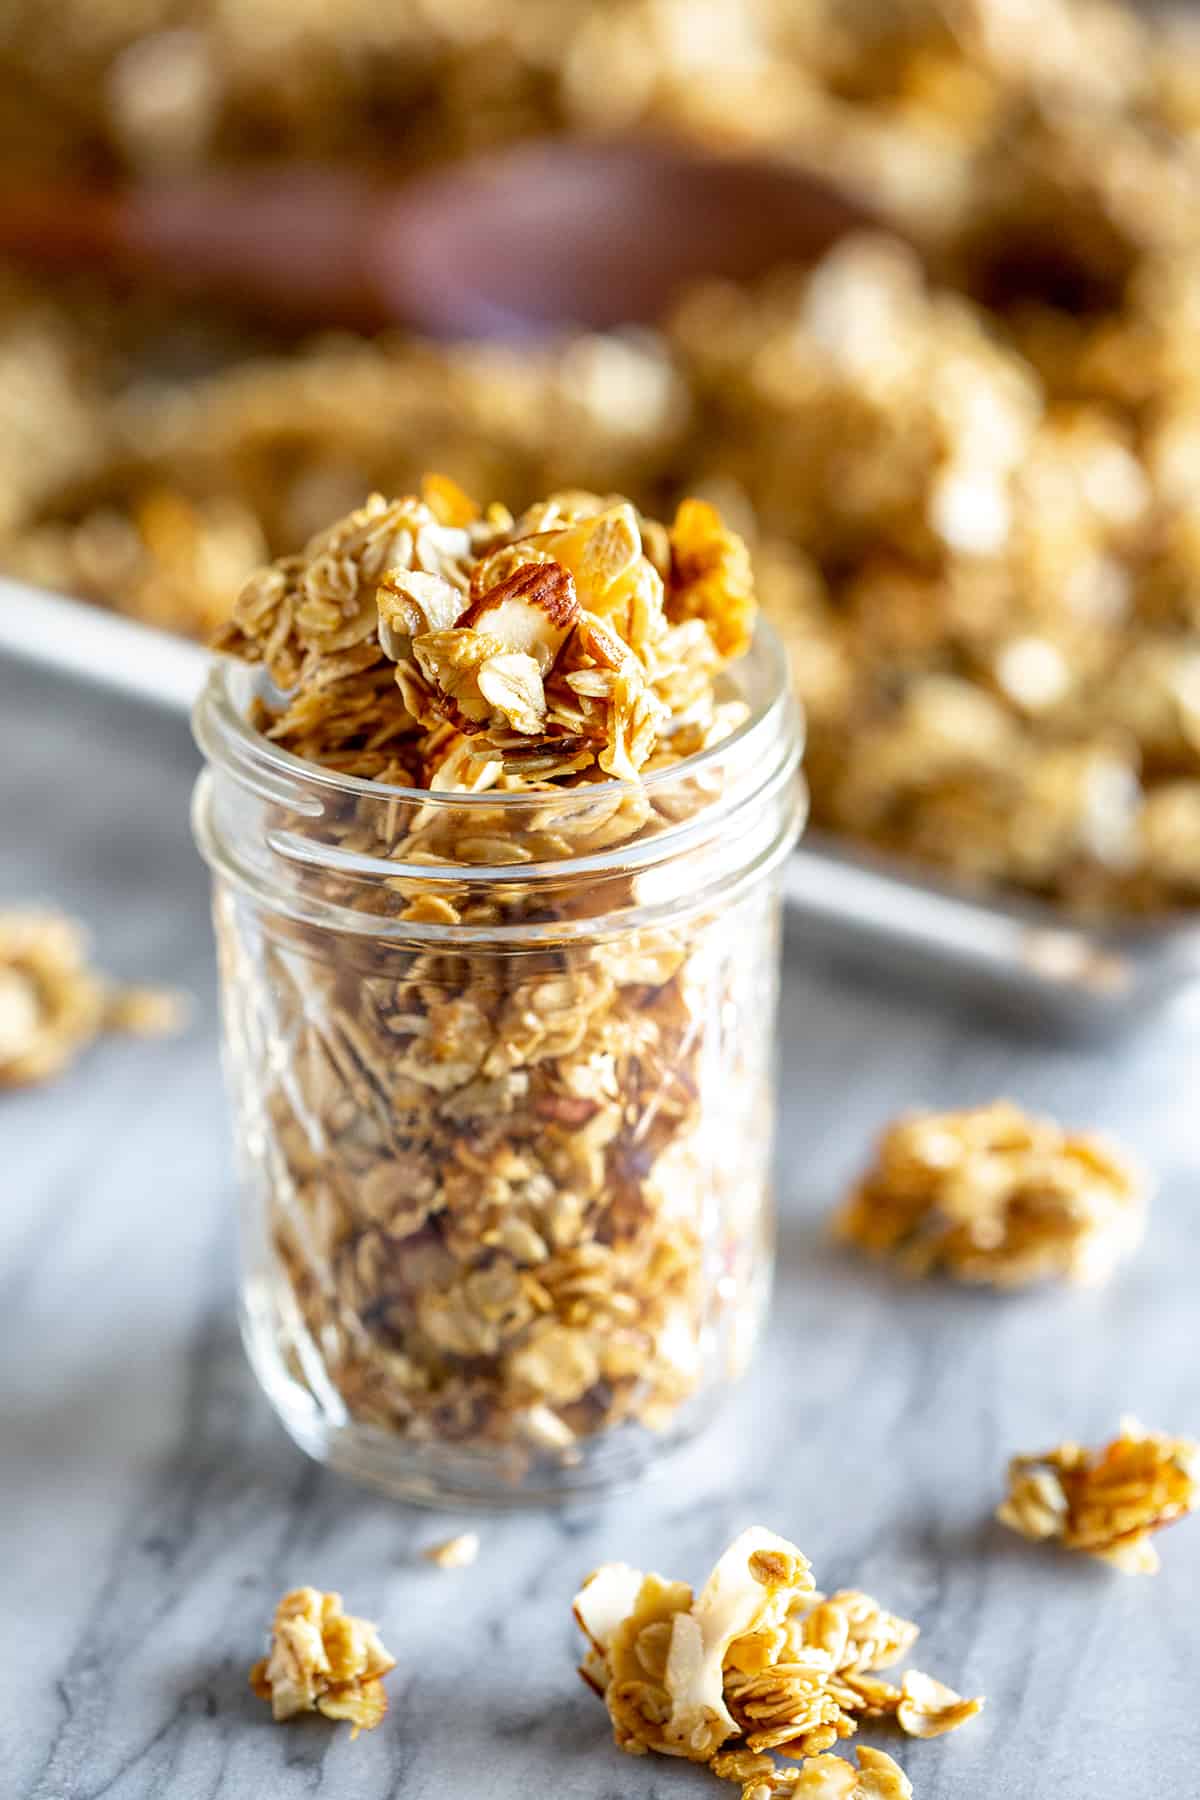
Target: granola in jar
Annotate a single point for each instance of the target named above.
(494, 835)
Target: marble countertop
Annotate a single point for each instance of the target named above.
(151, 1510)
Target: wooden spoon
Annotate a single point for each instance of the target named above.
(506, 245)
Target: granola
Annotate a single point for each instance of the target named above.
(757, 1663)
(454, 1553)
(324, 1660)
(492, 1185)
(991, 1195)
(1106, 1502)
(975, 492)
(53, 1004)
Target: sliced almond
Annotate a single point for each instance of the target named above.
(411, 603)
(532, 611)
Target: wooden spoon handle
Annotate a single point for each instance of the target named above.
(294, 241)
(56, 228)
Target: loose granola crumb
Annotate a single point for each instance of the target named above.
(757, 1663)
(991, 1195)
(54, 1004)
(454, 1552)
(322, 1659)
(1105, 1502)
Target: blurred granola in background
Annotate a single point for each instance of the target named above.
(969, 464)
(54, 1004)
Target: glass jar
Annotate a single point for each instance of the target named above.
(501, 1070)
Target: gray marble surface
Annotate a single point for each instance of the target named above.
(151, 1510)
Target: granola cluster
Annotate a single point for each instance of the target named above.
(490, 1169)
(428, 644)
(756, 1663)
(53, 1004)
(1105, 1502)
(991, 1195)
(324, 1660)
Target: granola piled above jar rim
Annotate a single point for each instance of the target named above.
(430, 644)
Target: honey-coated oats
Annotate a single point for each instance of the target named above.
(1105, 1502)
(991, 1195)
(486, 1177)
(757, 1664)
(324, 1660)
(975, 494)
(54, 1004)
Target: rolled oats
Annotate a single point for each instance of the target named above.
(53, 1004)
(991, 1195)
(757, 1662)
(322, 1659)
(877, 1777)
(981, 487)
(1106, 1502)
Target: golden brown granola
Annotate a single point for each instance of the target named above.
(322, 1659)
(877, 1777)
(53, 1004)
(756, 1662)
(992, 1195)
(977, 500)
(484, 1170)
(1106, 1502)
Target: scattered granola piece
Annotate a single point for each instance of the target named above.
(53, 1004)
(323, 1660)
(756, 1663)
(991, 1195)
(147, 1011)
(1106, 1502)
(930, 1708)
(455, 1552)
(832, 1778)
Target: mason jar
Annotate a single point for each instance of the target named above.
(501, 1075)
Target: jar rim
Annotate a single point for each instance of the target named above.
(219, 723)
